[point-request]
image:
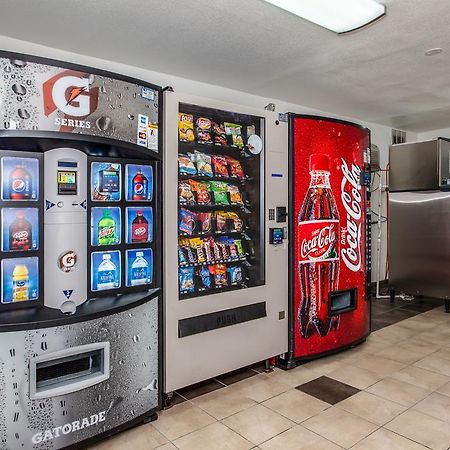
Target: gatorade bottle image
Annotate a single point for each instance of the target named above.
(20, 184)
(106, 230)
(106, 273)
(139, 228)
(20, 233)
(139, 270)
(140, 186)
(21, 283)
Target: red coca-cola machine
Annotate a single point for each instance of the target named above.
(329, 236)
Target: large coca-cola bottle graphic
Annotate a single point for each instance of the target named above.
(317, 251)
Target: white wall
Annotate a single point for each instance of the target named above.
(381, 135)
(426, 135)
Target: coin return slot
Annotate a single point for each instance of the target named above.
(343, 301)
(69, 370)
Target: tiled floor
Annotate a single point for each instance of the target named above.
(391, 392)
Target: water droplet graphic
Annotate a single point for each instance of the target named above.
(18, 62)
(19, 89)
(91, 78)
(103, 123)
(23, 113)
(136, 338)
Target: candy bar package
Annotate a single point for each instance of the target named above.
(203, 162)
(239, 248)
(220, 137)
(205, 277)
(209, 249)
(235, 168)
(219, 271)
(220, 166)
(186, 279)
(222, 242)
(197, 246)
(185, 194)
(186, 127)
(186, 165)
(182, 261)
(204, 131)
(235, 195)
(220, 192)
(205, 221)
(186, 222)
(221, 221)
(201, 189)
(237, 224)
(235, 275)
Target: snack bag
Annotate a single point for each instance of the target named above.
(235, 195)
(220, 138)
(235, 167)
(222, 242)
(238, 225)
(220, 275)
(185, 165)
(216, 250)
(185, 194)
(182, 261)
(205, 219)
(235, 131)
(221, 221)
(236, 275)
(205, 277)
(186, 279)
(209, 250)
(220, 192)
(220, 166)
(239, 248)
(186, 223)
(232, 248)
(186, 127)
(204, 130)
(204, 167)
(201, 189)
(237, 141)
(197, 246)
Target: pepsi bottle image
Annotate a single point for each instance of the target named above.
(20, 183)
(140, 186)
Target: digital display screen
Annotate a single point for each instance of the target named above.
(67, 182)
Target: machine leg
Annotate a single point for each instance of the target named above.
(447, 305)
(267, 366)
(392, 295)
(151, 418)
(167, 400)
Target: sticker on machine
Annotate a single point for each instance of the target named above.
(67, 261)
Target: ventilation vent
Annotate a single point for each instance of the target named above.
(398, 137)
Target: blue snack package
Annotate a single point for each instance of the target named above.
(186, 221)
(186, 279)
(186, 165)
(235, 274)
(205, 277)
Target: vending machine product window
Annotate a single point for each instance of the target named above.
(221, 201)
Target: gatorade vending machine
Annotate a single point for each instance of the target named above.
(225, 172)
(80, 282)
(329, 239)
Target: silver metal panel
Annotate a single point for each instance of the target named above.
(130, 391)
(419, 243)
(201, 356)
(414, 166)
(444, 163)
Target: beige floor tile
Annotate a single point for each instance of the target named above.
(323, 366)
(258, 424)
(215, 436)
(299, 438)
(435, 337)
(292, 377)
(168, 446)
(420, 346)
(435, 364)
(181, 419)
(417, 324)
(142, 437)
(379, 365)
(355, 376)
(400, 353)
(399, 391)
(259, 388)
(422, 428)
(397, 333)
(296, 405)
(384, 439)
(371, 407)
(436, 405)
(444, 352)
(223, 402)
(421, 377)
(445, 389)
(339, 426)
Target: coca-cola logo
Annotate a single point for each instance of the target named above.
(139, 231)
(18, 185)
(351, 200)
(139, 188)
(319, 240)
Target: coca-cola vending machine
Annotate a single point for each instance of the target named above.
(329, 236)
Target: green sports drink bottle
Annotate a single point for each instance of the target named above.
(106, 229)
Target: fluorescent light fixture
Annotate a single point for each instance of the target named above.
(340, 16)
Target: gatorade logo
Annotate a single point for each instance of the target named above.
(70, 92)
(67, 261)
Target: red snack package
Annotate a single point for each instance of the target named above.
(220, 166)
(235, 167)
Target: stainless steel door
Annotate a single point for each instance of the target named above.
(419, 243)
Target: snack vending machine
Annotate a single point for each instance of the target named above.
(80, 283)
(329, 252)
(225, 309)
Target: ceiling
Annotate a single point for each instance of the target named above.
(379, 74)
